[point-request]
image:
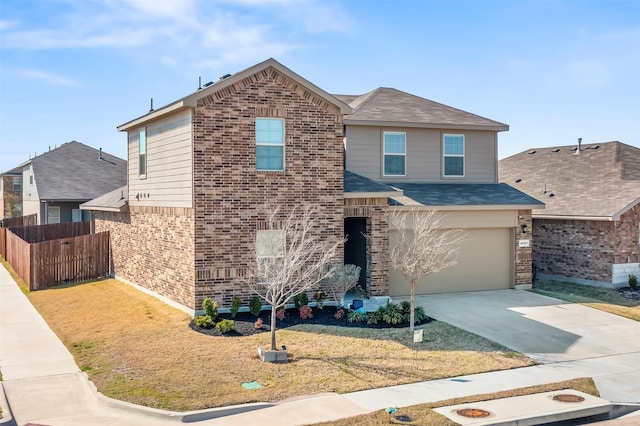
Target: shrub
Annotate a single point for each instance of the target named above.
(203, 321)
(258, 324)
(320, 297)
(306, 312)
(255, 305)
(235, 306)
(301, 299)
(280, 314)
(375, 317)
(339, 314)
(210, 308)
(225, 325)
(633, 281)
(419, 314)
(392, 314)
(356, 316)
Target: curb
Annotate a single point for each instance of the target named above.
(177, 416)
(7, 416)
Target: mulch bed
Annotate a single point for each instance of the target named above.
(630, 294)
(244, 322)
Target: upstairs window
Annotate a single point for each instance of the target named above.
(453, 162)
(395, 150)
(142, 158)
(270, 250)
(17, 183)
(270, 144)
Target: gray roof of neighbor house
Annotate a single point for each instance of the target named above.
(77, 172)
(14, 171)
(357, 185)
(114, 201)
(464, 194)
(600, 182)
(391, 107)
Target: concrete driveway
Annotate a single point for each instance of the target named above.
(546, 329)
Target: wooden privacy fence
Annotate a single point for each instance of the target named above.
(70, 257)
(19, 221)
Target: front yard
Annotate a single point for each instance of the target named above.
(138, 349)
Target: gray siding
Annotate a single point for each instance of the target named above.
(424, 154)
(168, 181)
(30, 199)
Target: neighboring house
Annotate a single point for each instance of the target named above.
(11, 194)
(55, 183)
(204, 170)
(589, 232)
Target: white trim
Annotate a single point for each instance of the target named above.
(384, 133)
(255, 129)
(444, 155)
(387, 194)
(467, 207)
(141, 131)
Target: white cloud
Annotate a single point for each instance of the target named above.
(46, 77)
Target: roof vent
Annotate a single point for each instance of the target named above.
(518, 180)
(532, 152)
(225, 76)
(207, 84)
(552, 195)
(556, 150)
(594, 147)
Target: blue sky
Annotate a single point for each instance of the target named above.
(553, 70)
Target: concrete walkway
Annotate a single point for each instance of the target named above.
(44, 386)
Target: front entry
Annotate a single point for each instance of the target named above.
(355, 248)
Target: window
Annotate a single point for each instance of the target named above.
(395, 150)
(53, 214)
(270, 249)
(270, 144)
(453, 155)
(143, 152)
(17, 183)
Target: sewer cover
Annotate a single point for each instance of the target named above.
(567, 397)
(403, 418)
(473, 413)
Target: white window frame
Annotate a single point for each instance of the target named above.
(142, 156)
(282, 144)
(445, 155)
(49, 210)
(384, 154)
(270, 243)
(13, 183)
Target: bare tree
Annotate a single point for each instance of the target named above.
(291, 258)
(344, 278)
(420, 246)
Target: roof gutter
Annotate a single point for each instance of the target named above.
(567, 217)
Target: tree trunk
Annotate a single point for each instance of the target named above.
(273, 327)
(413, 307)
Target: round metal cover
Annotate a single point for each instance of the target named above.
(473, 413)
(403, 418)
(567, 397)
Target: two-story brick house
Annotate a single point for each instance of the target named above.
(11, 193)
(204, 169)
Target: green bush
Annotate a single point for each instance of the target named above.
(203, 321)
(235, 306)
(633, 281)
(392, 314)
(375, 317)
(419, 314)
(301, 299)
(320, 297)
(255, 305)
(225, 325)
(355, 316)
(210, 308)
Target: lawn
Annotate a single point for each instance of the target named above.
(423, 414)
(605, 299)
(138, 349)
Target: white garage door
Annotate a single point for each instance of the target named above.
(484, 263)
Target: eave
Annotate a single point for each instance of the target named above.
(404, 124)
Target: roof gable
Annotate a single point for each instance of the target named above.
(600, 181)
(387, 106)
(77, 172)
(228, 84)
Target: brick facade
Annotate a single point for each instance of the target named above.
(586, 250)
(231, 198)
(153, 247)
(522, 263)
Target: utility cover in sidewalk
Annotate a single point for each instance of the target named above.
(252, 385)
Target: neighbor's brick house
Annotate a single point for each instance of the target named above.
(11, 193)
(204, 170)
(589, 232)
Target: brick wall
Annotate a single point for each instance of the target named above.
(627, 241)
(153, 248)
(231, 197)
(523, 269)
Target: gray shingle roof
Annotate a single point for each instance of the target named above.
(356, 183)
(603, 180)
(466, 194)
(74, 172)
(14, 171)
(387, 105)
(115, 201)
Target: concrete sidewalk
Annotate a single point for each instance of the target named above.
(43, 385)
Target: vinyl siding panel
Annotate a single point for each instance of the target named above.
(423, 154)
(169, 172)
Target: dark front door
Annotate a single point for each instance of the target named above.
(355, 249)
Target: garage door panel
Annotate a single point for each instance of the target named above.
(483, 263)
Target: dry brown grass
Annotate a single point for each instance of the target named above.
(138, 349)
(424, 415)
